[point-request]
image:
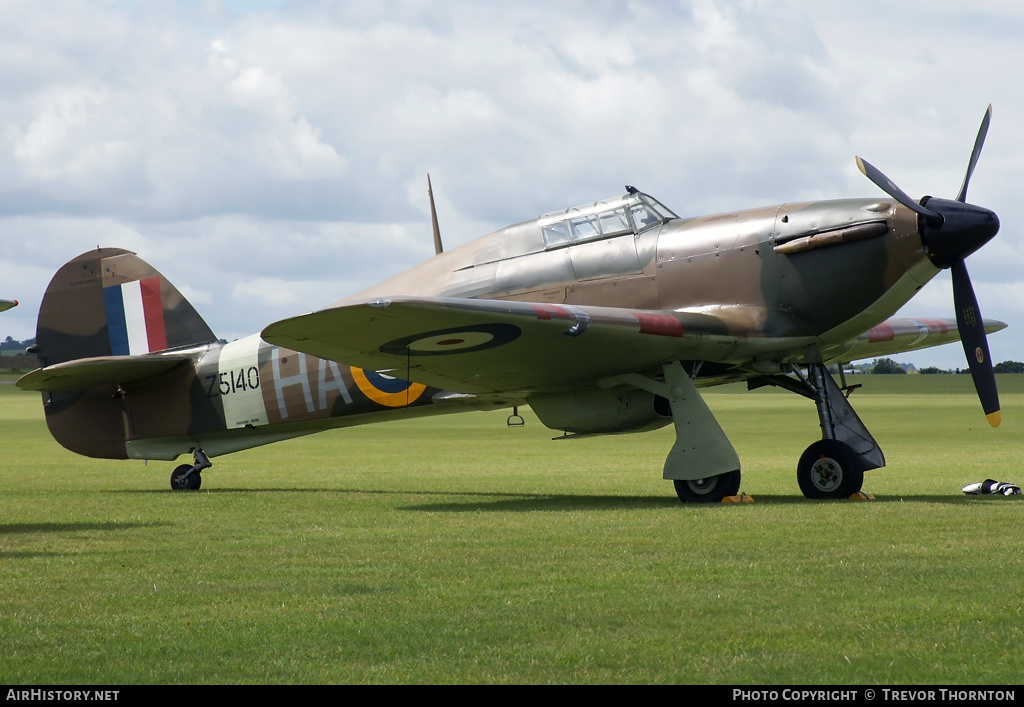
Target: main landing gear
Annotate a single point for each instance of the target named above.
(709, 490)
(702, 464)
(186, 477)
(834, 466)
(829, 469)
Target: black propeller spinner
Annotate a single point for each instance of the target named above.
(951, 231)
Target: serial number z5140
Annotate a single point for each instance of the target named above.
(228, 382)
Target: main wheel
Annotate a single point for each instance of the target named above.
(711, 489)
(829, 469)
(180, 483)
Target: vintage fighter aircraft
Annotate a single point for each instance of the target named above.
(604, 318)
(6, 304)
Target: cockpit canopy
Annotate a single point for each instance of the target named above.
(635, 213)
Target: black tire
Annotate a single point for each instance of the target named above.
(829, 469)
(708, 490)
(179, 483)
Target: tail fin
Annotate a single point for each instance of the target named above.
(111, 302)
(107, 302)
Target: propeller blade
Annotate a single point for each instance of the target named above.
(972, 335)
(950, 234)
(979, 142)
(889, 187)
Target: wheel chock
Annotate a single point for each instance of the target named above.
(742, 498)
(862, 496)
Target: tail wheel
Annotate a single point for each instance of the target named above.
(829, 469)
(181, 482)
(711, 489)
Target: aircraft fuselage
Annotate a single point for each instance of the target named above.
(819, 273)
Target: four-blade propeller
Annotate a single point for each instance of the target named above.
(951, 231)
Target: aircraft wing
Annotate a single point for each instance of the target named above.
(484, 346)
(899, 335)
(488, 346)
(6, 304)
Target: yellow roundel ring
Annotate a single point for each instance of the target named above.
(387, 390)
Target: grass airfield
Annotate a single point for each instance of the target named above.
(457, 550)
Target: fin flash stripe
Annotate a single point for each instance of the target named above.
(135, 317)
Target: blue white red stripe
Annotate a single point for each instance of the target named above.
(135, 317)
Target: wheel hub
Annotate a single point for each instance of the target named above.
(703, 486)
(826, 474)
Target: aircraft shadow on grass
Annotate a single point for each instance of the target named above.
(491, 500)
(498, 502)
(29, 554)
(25, 528)
(609, 503)
(10, 529)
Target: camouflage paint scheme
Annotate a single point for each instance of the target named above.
(601, 332)
(150, 405)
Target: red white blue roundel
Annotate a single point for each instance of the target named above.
(461, 340)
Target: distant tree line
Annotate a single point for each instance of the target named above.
(10, 344)
(13, 357)
(888, 366)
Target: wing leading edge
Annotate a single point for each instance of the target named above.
(488, 346)
(899, 335)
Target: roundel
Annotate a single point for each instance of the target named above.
(979, 354)
(387, 390)
(442, 342)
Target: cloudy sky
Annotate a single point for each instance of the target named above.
(271, 157)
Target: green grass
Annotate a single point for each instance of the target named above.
(454, 550)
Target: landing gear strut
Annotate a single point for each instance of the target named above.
(702, 464)
(834, 466)
(187, 478)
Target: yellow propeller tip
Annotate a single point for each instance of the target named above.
(994, 418)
